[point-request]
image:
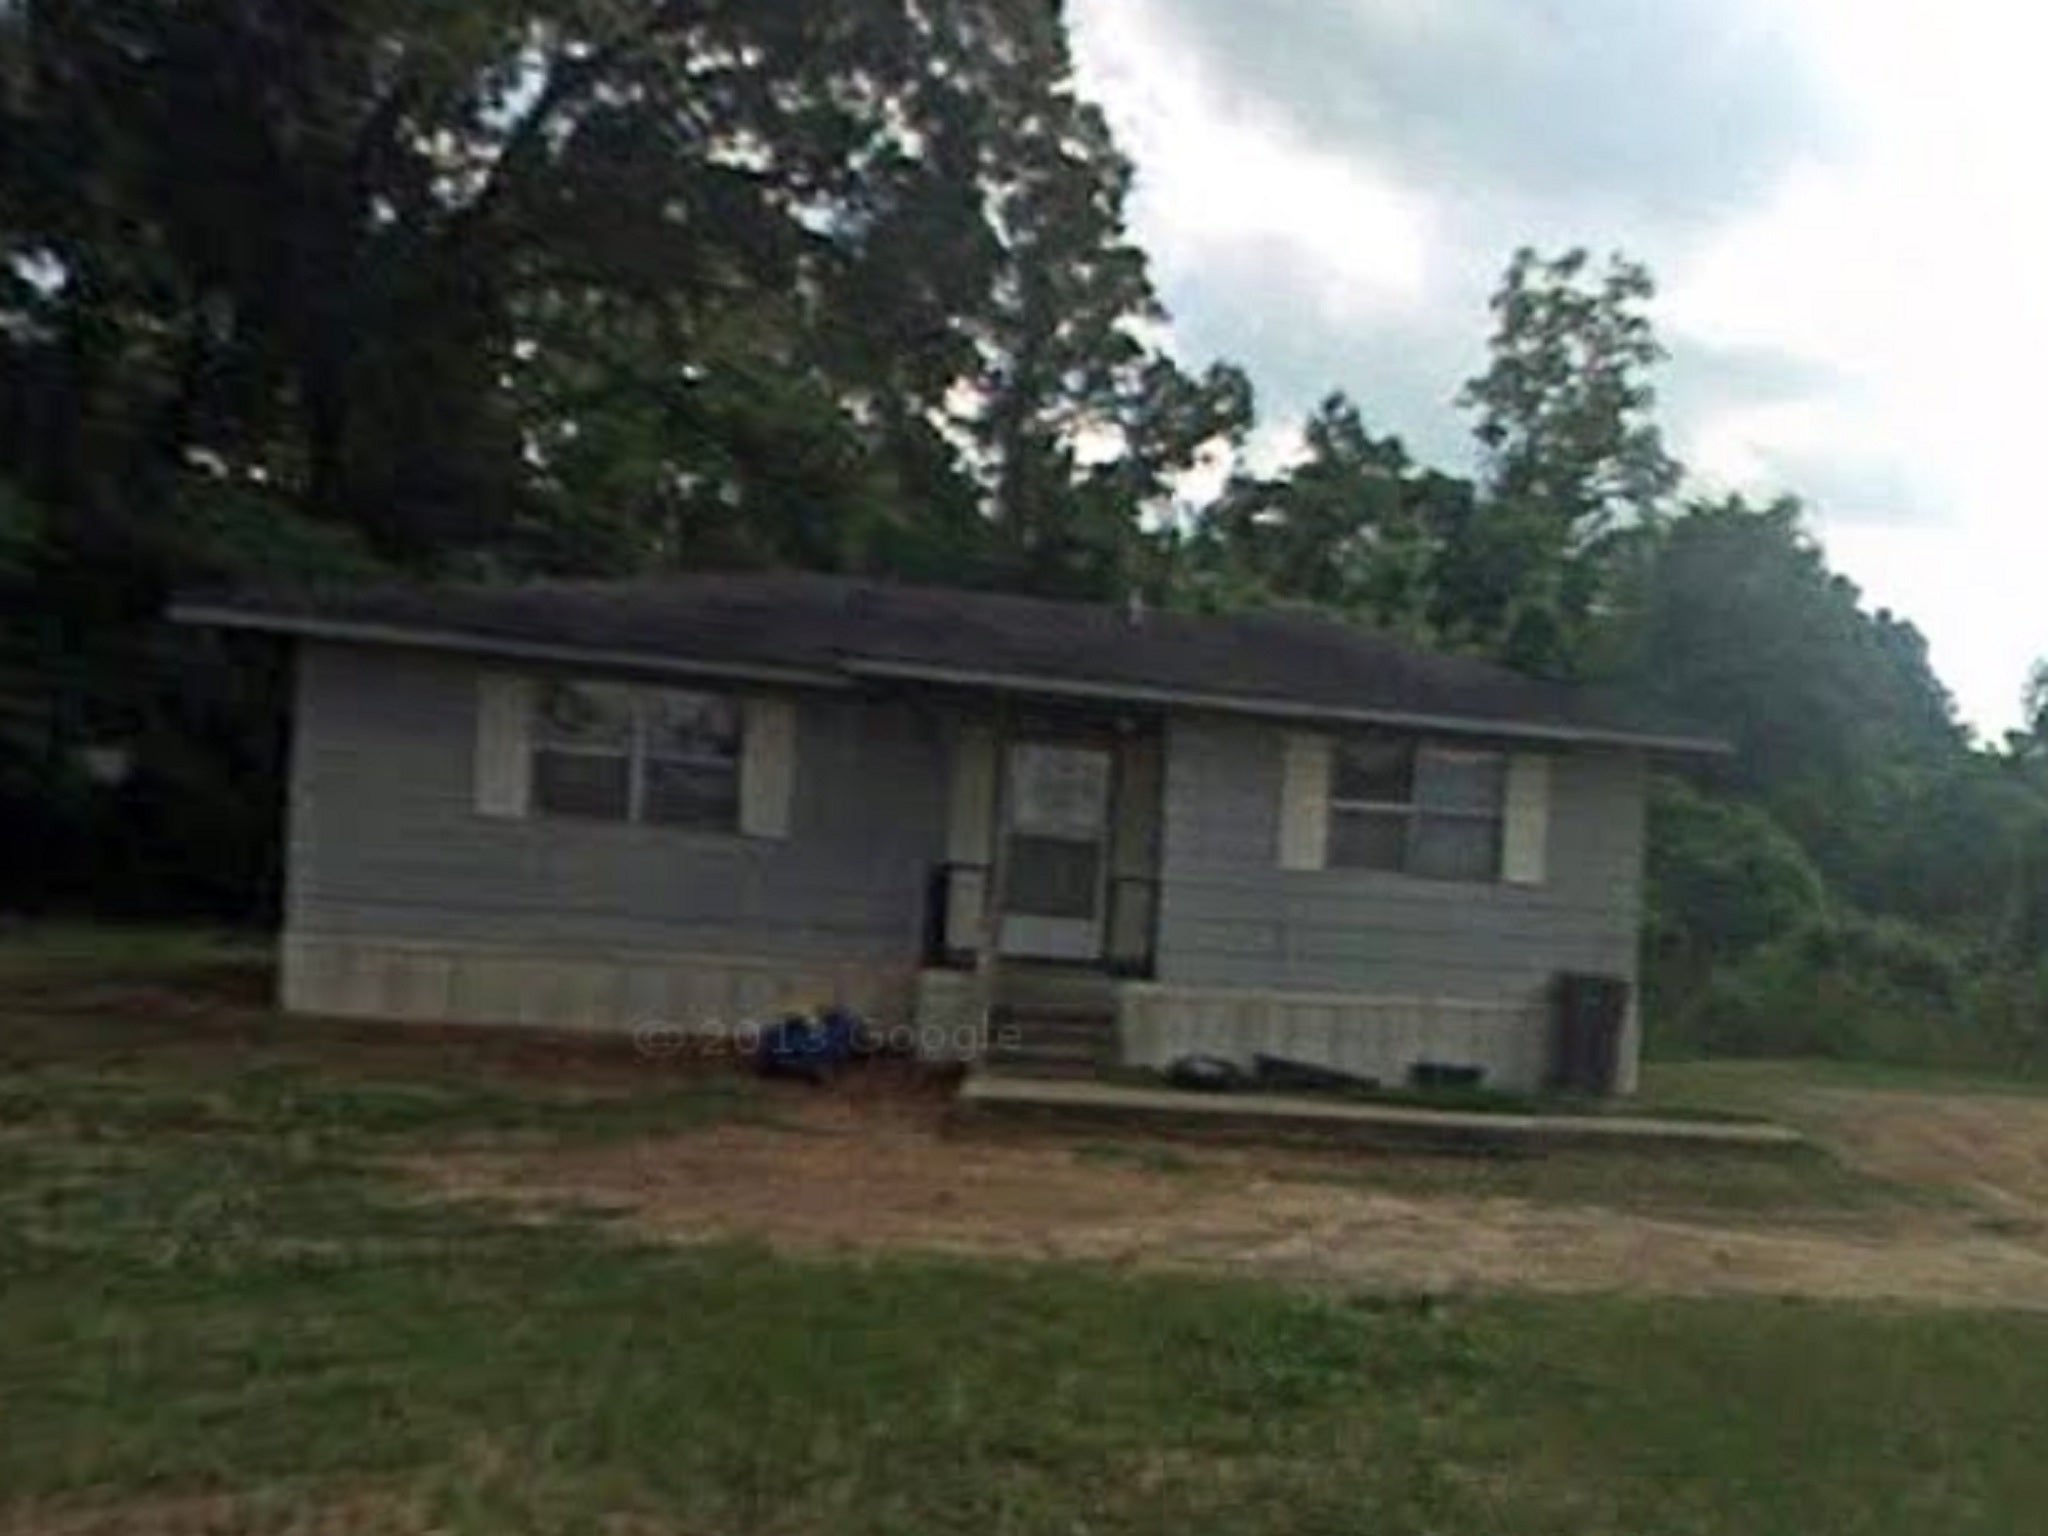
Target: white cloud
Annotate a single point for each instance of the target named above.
(1912, 270)
(1226, 182)
(1317, 209)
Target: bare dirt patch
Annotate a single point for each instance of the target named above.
(871, 1171)
(1991, 1148)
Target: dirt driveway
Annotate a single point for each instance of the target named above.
(1964, 1219)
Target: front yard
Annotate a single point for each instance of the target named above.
(260, 1276)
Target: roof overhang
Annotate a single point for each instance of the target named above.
(1268, 708)
(849, 671)
(467, 642)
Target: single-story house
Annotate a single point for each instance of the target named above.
(1038, 828)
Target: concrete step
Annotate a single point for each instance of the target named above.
(1028, 1060)
(1076, 1015)
(1071, 1042)
(1082, 1047)
(1061, 986)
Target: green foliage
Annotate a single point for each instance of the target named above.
(1863, 989)
(1740, 622)
(1574, 463)
(2034, 702)
(1354, 528)
(1923, 855)
(1565, 406)
(1520, 566)
(310, 292)
(1724, 878)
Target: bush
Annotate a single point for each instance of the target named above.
(1723, 876)
(1723, 881)
(1868, 990)
(2009, 1014)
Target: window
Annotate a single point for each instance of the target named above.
(583, 735)
(1422, 809)
(621, 753)
(690, 774)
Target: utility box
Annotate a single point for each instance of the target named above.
(1587, 1017)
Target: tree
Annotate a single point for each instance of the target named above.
(309, 290)
(1842, 730)
(1722, 881)
(939, 308)
(1741, 624)
(1354, 527)
(1572, 459)
(1075, 417)
(2032, 736)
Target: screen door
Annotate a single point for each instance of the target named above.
(1055, 833)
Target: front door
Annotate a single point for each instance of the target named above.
(1055, 840)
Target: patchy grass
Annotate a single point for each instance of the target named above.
(120, 1079)
(1776, 1088)
(1810, 1184)
(1149, 1155)
(220, 1313)
(207, 1318)
(1476, 1099)
(45, 959)
(119, 1033)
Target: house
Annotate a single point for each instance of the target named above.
(1119, 834)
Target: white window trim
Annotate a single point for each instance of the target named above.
(1525, 834)
(503, 751)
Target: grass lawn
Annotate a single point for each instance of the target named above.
(1808, 1183)
(221, 1310)
(1774, 1088)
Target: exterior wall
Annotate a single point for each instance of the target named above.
(591, 987)
(1395, 950)
(402, 900)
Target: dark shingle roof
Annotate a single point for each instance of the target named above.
(1278, 663)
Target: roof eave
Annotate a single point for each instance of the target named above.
(852, 669)
(468, 642)
(1270, 708)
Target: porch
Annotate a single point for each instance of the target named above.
(1049, 895)
(1051, 946)
(1052, 843)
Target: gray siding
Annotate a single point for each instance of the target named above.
(1231, 917)
(385, 842)
(385, 845)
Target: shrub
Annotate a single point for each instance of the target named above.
(1724, 877)
(1869, 990)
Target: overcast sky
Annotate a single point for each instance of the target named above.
(1843, 202)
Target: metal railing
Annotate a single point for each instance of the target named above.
(1131, 931)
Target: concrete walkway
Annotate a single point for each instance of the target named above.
(1011, 1096)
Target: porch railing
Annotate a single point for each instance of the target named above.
(1131, 929)
(956, 904)
(956, 897)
